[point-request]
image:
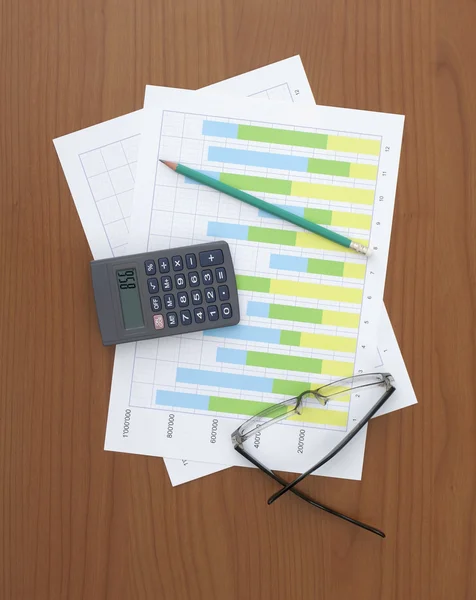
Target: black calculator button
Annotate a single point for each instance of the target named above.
(199, 314)
(226, 312)
(182, 299)
(164, 265)
(212, 313)
(153, 285)
(172, 320)
(159, 322)
(191, 261)
(185, 317)
(169, 301)
(196, 297)
(166, 282)
(210, 295)
(149, 267)
(177, 263)
(223, 292)
(155, 304)
(207, 277)
(180, 281)
(220, 275)
(211, 258)
(193, 279)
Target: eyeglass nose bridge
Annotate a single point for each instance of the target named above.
(310, 395)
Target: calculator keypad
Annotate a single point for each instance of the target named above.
(181, 289)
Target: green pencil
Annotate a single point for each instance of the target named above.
(263, 205)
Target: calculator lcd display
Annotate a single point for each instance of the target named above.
(130, 298)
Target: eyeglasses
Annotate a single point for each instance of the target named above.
(295, 406)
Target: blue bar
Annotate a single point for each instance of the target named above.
(246, 332)
(231, 231)
(212, 174)
(219, 129)
(288, 263)
(252, 158)
(296, 210)
(233, 357)
(225, 380)
(257, 309)
(165, 398)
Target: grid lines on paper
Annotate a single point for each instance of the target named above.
(110, 172)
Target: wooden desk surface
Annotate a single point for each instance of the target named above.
(77, 522)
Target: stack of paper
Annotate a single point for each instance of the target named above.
(311, 311)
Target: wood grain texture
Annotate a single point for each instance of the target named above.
(79, 523)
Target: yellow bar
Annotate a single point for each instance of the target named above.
(306, 239)
(322, 416)
(315, 290)
(351, 220)
(327, 342)
(333, 367)
(337, 193)
(354, 145)
(344, 398)
(359, 171)
(340, 319)
(354, 270)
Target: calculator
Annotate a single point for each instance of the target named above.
(168, 292)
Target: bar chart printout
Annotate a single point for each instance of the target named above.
(306, 303)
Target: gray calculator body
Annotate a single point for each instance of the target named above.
(167, 292)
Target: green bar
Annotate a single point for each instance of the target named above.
(257, 184)
(253, 284)
(317, 266)
(238, 407)
(328, 167)
(286, 137)
(318, 215)
(290, 338)
(295, 313)
(271, 236)
(283, 361)
(290, 388)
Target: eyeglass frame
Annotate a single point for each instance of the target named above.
(238, 439)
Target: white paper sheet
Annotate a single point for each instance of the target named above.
(163, 385)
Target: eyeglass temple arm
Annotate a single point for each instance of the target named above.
(307, 498)
(338, 448)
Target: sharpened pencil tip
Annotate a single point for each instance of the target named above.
(170, 164)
